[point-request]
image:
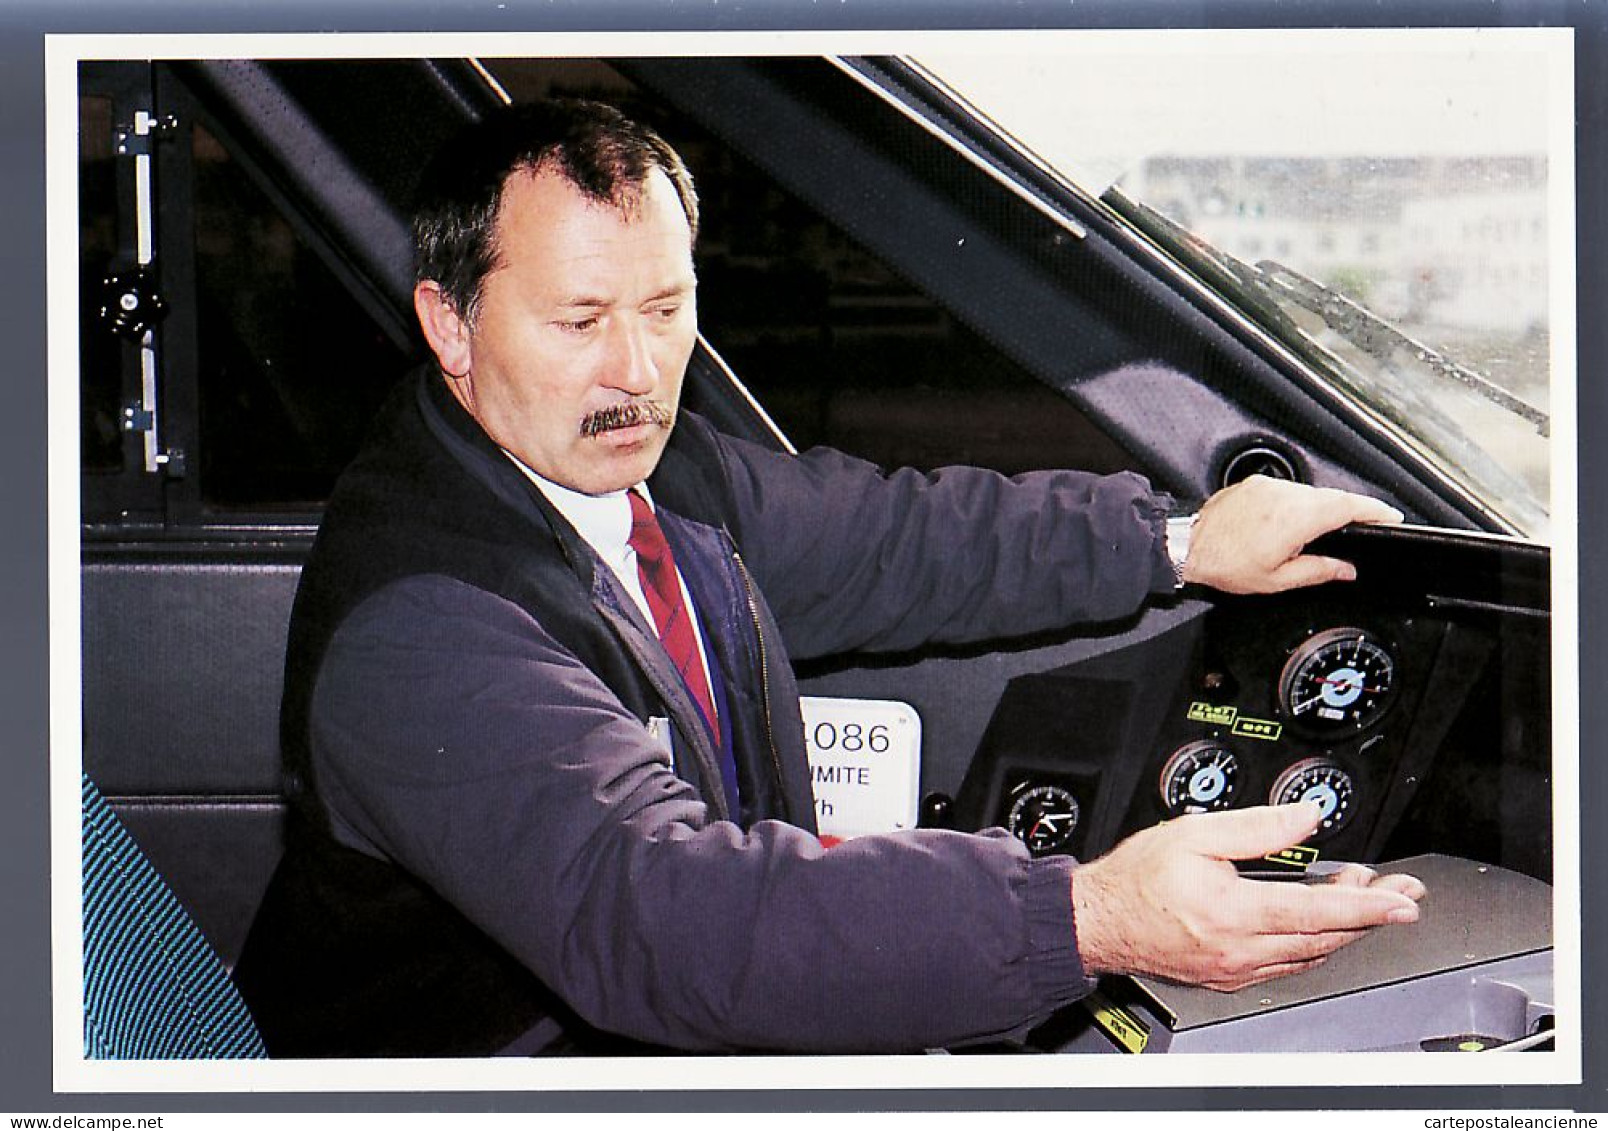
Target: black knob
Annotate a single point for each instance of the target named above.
(130, 304)
(937, 811)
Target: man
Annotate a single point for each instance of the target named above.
(542, 735)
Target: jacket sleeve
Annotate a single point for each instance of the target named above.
(452, 735)
(851, 558)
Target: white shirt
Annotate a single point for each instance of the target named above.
(604, 523)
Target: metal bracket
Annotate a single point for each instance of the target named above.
(138, 139)
(173, 463)
(138, 418)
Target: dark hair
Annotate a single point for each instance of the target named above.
(593, 146)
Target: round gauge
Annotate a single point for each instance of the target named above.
(1341, 678)
(1043, 817)
(1321, 780)
(1199, 777)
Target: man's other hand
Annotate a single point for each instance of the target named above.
(1168, 902)
(1249, 538)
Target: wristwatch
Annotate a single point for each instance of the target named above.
(1179, 529)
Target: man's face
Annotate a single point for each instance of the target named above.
(575, 359)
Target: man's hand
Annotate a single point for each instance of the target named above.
(1167, 902)
(1249, 537)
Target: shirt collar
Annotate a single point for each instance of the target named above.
(602, 521)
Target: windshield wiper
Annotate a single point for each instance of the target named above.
(1378, 338)
(1269, 283)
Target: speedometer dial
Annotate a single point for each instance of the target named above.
(1321, 780)
(1344, 678)
(1199, 777)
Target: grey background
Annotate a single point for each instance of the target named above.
(25, 1073)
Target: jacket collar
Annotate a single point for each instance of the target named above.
(467, 443)
(463, 438)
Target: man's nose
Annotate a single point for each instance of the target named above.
(634, 369)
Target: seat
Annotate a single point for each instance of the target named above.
(154, 989)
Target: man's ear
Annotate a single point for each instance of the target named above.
(447, 333)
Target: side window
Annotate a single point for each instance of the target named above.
(259, 372)
(842, 351)
(837, 347)
(289, 367)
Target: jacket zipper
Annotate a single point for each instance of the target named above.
(764, 676)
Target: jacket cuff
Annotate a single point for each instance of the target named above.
(1053, 957)
(1165, 576)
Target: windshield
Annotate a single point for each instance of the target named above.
(1385, 202)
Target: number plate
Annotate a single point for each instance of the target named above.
(865, 764)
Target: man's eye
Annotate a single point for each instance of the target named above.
(578, 325)
(664, 313)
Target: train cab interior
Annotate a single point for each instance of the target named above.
(880, 269)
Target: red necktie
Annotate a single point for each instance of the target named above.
(662, 586)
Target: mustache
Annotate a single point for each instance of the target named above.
(627, 414)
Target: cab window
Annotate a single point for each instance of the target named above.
(252, 385)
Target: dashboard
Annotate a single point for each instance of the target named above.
(1411, 704)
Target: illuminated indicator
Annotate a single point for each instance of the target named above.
(1117, 1023)
(1299, 856)
(1462, 1042)
(1264, 729)
(1210, 713)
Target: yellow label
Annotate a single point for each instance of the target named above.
(1210, 713)
(1298, 856)
(1258, 728)
(1117, 1023)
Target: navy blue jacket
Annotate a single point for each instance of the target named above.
(492, 852)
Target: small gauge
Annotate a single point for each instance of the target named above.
(1199, 777)
(1341, 678)
(1043, 817)
(1317, 779)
